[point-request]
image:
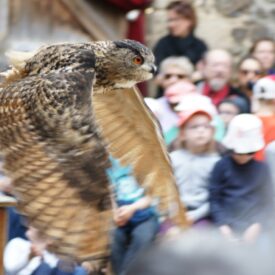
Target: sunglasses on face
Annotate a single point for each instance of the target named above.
(246, 72)
(179, 76)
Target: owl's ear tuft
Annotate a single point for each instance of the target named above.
(128, 44)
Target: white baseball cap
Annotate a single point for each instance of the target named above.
(245, 134)
(265, 88)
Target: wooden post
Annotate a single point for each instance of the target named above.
(5, 202)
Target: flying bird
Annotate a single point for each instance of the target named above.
(64, 110)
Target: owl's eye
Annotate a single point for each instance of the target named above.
(137, 60)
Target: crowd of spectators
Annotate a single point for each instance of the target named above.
(218, 123)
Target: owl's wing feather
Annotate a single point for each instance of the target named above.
(134, 137)
(57, 161)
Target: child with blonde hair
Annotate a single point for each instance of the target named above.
(194, 160)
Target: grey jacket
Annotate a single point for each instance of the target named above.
(192, 172)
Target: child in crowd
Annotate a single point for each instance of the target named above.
(134, 217)
(229, 108)
(264, 108)
(241, 194)
(164, 107)
(30, 257)
(194, 160)
(25, 256)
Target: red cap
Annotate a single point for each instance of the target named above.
(186, 115)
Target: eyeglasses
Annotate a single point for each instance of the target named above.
(179, 76)
(246, 72)
(198, 126)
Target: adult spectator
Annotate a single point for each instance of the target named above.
(249, 71)
(264, 50)
(217, 72)
(181, 40)
(171, 71)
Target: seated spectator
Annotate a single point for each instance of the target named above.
(164, 108)
(30, 257)
(264, 50)
(136, 223)
(249, 71)
(181, 40)
(241, 194)
(24, 256)
(171, 71)
(204, 102)
(217, 73)
(264, 108)
(193, 162)
(228, 109)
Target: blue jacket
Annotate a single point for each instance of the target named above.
(241, 195)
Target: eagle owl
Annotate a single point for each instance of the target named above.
(63, 111)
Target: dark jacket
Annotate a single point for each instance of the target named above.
(190, 46)
(241, 195)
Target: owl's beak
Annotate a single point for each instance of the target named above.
(153, 69)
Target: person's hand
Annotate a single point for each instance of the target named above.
(37, 249)
(123, 214)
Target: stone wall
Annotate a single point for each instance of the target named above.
(229, 24)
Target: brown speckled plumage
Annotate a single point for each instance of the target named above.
(62, 111)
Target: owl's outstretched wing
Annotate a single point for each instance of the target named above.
(134, 137)
(57, 161)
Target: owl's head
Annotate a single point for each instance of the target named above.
(118, 64)
(124, 63)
